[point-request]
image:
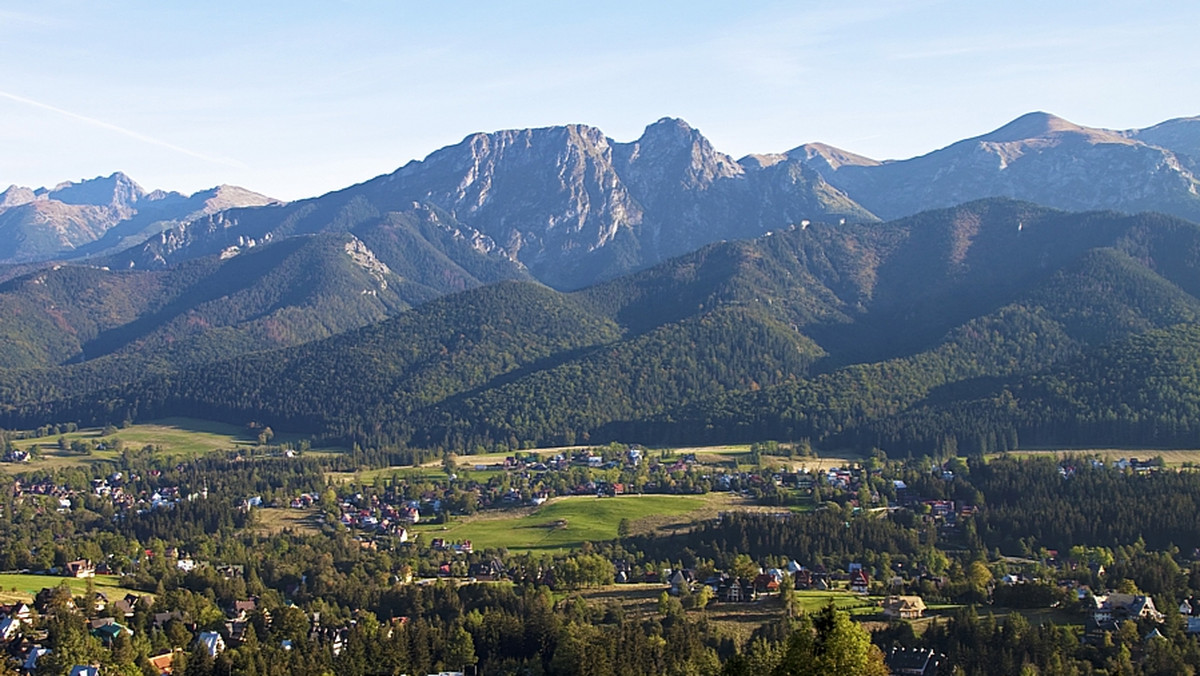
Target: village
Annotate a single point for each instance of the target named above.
(404, 514)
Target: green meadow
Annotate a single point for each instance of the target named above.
(174, 437)
(564, 523)
(23, 587)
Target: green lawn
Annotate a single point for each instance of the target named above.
(564, 523)
(856, 604)
(26, 586)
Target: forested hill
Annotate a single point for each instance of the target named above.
(978, 326)
(111, 324)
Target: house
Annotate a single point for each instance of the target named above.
(31, 659)
(49, 596)
(1190, 610)
(903, 607)
(127, 606)
(163, 663)
(487, 571)
(211, 643)
(80, 670)
(161, 619)
(19, 610)
(903, 662)
(679, 584)
(107, 630)
(803, 579)
(736, 591)
(765, 583)
(241, 609)
(860, 581)
(1109, 611)
(10, 628)
(80, 568)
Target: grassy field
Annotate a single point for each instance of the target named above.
(176, 437)
(811, 601)
(407, 472)
(564, 523)
(273, 520)
(22, 587)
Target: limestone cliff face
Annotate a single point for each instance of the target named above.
(574, 206)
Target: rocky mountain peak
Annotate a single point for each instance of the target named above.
(672, 151)
(116, 190)
(16, 195)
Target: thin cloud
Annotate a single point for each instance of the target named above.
(122, 130)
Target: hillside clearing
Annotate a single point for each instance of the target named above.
(564, 523)
(24, 586)
(182, 438)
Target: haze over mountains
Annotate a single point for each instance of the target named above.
(693, 297)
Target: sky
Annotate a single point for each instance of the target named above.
(294, 99)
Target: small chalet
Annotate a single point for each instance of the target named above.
(903, 607)
(107, 630)
(860, 581)
(163, 663)
(10, 628)
(1190, 610)
(126, 607)
(211, 643)
(803, 579)
(80, 568)
(20, 611)
(242, 609)
(766, 583)
(736, 591)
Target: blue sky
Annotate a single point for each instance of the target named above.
(297, 98)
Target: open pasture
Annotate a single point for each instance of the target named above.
(563, 523)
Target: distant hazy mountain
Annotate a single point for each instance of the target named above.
(72, 220)
(1037, 157)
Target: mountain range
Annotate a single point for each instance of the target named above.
(90, 217)
(571, 207)
(554, 286)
